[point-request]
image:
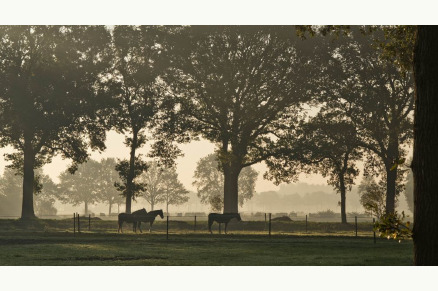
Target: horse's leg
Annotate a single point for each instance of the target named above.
(150, 227)
(226, 224)
(139, 224)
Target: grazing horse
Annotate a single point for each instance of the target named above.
(130, 218)
(149, 217)
(222, 218)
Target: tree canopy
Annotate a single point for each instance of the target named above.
(49, 76)
(235, 84)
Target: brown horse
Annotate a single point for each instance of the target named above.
(130, 218)
(222, 218)
(149, 217)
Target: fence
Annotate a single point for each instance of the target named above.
(261, 224)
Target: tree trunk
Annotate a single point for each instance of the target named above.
(343, 198)
(86, 208)
(27, 210)
(152, 204)
(391, 179)
(391, 176)
(231, 189)
(425, 160)
(109, 210)
(130, 176)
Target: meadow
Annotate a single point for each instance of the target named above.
(52, 242)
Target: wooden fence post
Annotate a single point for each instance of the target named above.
(219, 228)
(374, 221)
(89, 222)
(269, 224)
(355, 222)
(306, 223)
(74, 224)
(79, 225)
(194, 228)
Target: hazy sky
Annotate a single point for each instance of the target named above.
(185, 165)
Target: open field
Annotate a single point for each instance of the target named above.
(52, 243)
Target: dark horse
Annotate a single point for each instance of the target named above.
(131, 218)
(149, 217)
(222, 218)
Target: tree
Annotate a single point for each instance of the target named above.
(235, 84)
(139, 59)
(209, 182)
(425, 159)
(174, 192)
(153, 181)
(326, 144)
(11, 185)
(373, 196)
(377, 97)
(104, 183)
(82, 186)
(162, 185)
(49, 76)
(46, 194)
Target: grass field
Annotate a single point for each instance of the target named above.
(47, 243)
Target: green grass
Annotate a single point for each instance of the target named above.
(47, 242)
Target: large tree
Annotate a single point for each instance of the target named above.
(135, 86)
(209, 182)
(326, 144)
(48, 79)
(425, 159)
(376, 95)
(235, 84)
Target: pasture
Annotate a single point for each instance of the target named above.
(52, 242)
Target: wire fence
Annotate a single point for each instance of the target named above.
(261, 223)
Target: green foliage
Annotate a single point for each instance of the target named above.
(123, 168)
(373, 196)
(48, 79)
(235, 85)
(137, 90)
(209, 182)
(393, 226)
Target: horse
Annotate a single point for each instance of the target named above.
(149, 217)
(130, 218)
(222, 218)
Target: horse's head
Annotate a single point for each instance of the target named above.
(161, 214)
(238, 217)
